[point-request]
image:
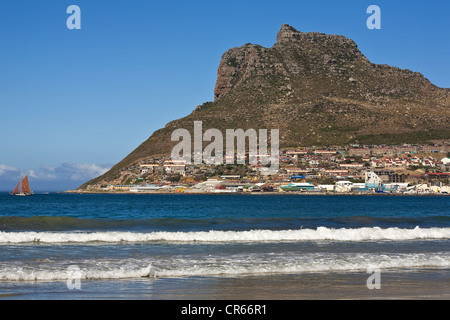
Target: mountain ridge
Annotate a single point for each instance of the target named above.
(317, 89)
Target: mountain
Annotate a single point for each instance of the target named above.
(317, 89)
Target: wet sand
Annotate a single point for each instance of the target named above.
(405, 285)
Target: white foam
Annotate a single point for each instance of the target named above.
(303, 264)
(229, 265)
(321, 233)
(55, 274)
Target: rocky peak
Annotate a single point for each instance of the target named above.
(319, 42)
(287, 34)
(295, 53)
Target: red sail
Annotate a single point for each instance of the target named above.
(25, 185)
(16, 189)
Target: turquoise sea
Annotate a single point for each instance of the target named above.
(255, 246)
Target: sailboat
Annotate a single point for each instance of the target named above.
(24, 188)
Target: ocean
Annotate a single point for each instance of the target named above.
(227, 246)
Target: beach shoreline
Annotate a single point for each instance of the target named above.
(318, 193)
(398, 285)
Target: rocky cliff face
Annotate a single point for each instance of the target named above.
(324, 84)
(238, 65)
(317, 89)
(332, 59)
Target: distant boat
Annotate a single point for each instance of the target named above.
(24, 188)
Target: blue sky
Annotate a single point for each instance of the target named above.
(75, 102)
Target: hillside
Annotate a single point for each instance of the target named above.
(317, 89)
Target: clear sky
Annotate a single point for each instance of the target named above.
(75, 102)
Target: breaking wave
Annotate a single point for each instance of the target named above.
(217, 265)
(321, 233)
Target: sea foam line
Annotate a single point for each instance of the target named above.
(321, 233)
(233, 265)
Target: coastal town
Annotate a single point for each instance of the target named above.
(355, 169)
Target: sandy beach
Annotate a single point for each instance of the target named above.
(407, 285)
